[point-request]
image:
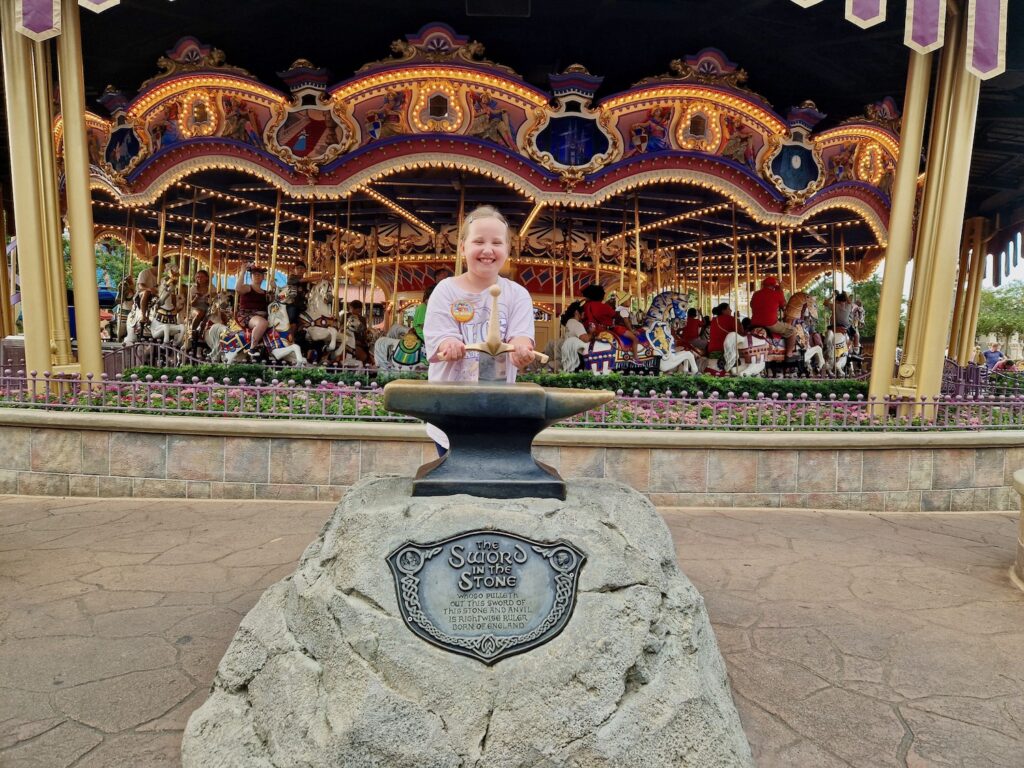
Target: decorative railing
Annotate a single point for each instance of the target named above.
(291, 399)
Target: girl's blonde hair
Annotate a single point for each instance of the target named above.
(482, 212)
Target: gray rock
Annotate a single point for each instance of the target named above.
(323, 671)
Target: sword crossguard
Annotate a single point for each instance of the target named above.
(493, 345)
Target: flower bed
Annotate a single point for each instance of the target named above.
(329, 400)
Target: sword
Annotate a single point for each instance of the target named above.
(493, 346)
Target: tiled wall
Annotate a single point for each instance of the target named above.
(80, 462)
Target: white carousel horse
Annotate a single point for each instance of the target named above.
(745, 354)
(837, 352)
(276, 337)
(318, 321)
(118, 325)
(164, 325)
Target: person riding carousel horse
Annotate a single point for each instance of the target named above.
(253, 305)
(765, 306)
(599, 317)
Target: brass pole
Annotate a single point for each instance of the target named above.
(572, 291)
(597, 250)
(458, 234)
(748, 280)
(636, 239)
(792, 266)
(394, 288)
(368, 305)
(337, 254)
(700, 271)
(275, 237)
(76, 184)
(28, 225)
(161, 238)
(129, 231)
(622, 252)
(901, 227)
(46, 168)
(182, 271)
(213, 241)
(842, 260)
(778, 249)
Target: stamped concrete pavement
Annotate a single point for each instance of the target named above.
(852, 639)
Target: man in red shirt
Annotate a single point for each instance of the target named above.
(765, 306)
(721, 326)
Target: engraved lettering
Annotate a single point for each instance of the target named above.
(455, 560)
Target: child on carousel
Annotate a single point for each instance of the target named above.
(459, 311)
(598, 317)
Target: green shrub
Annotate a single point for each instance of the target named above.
(677, 383)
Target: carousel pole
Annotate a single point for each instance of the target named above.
(25, 186)
(129, 231)
(778, 250)
(373, 278)
(622, 252)
(337, 254)
(735, 260)
(389, 321)
(963, 267)
(792, 266)
(76, 184)
(213, 240)
(842, 260)
(572, 289)
(657, 265)
(161, 237)
(182, 271)
(597, 250)
(458, 238)
(636, 239)
(748, 280)
(46, 169)
(901, 228)
(275, 239)
(700, 272)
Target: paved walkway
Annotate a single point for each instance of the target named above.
(851, 639)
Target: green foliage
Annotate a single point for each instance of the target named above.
(111, 259)
(677, 383)
(1002, 311)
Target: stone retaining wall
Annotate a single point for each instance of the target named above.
(113, 455)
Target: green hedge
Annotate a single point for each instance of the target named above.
(677, 383)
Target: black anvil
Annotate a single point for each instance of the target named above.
(491, 427)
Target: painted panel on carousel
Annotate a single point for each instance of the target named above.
(794, 165)
(308, 132)
(649, 131)
(863, 148)
(384, 116)
(190, 56)
(125, 148)
(493, 119)
(572, 137)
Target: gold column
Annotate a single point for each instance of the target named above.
(973, 293)
(46, 168)
(943, 116)
(947, 228)
(7, 327)
(959, 300)
(901, 224)
(76, 184)
(28, 212)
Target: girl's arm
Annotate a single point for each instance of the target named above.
(442, 334)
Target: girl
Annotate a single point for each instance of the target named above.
(459, 309)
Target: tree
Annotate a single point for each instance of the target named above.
(1002, 311)
(111, 259)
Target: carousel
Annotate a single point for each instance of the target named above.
(688, 185)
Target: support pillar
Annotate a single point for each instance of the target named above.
(949, 212)
(951, 62)
(49, 199)
(28, 215)
(901, 223)
(959, 298)
(79, 198)
(973, 293)
(7, 326)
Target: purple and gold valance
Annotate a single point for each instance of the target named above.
(40, 19)
(925, 28)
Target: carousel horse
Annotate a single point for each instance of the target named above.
(318, 322)
(837, 352)
(400, 348)
(118, 325)
(657, 353)
(276, 337)
(164, 325)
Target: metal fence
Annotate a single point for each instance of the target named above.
(291, 399)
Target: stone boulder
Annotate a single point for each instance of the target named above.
(324, 672)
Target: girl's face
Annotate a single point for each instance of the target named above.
(486, 248)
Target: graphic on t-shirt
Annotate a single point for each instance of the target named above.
(462, 311)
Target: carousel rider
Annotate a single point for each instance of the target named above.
(199, 298)
(146, 286)
(765, 306)
(294, 299)
(253, 303)
(722, 324)
(356, 323)
(598, 317)
(842, 313)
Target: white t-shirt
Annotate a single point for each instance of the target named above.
(453, 313)
(574, 328)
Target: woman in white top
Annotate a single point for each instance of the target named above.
(574, 337)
